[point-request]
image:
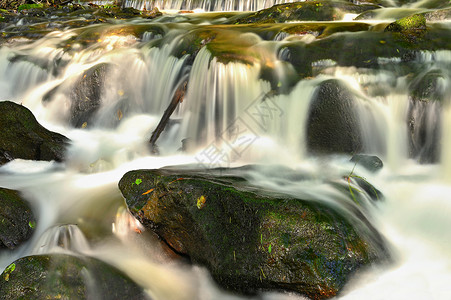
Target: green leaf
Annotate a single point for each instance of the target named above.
(10, 268)
(32, 224)
(269, 248)
(137, 181)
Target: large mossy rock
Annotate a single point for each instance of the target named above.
(61, 276)
(17, 221)
(333, 125)
(21, 136)
(252, 240)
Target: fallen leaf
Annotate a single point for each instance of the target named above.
(148, 192)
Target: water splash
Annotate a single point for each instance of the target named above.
(62, 239)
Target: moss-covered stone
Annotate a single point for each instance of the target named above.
(17, 221)
(252, 240)
(60, 276)
(23, 137)
(410, 29)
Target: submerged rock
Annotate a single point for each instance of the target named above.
(332, 125)
(249, 239)
(21, 136)
(61, 276)
(17, 221)
(370, 162)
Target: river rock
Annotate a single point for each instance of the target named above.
(332, 125)
(86, 95)
(411, 29)
(21, 136)
(61, 276)
(17, 221)
(370, 162)
(250, 239)
(304, 11)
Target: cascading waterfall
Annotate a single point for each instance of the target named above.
(206, 5)
(238, 109)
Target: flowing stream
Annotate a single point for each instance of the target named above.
(226, 123)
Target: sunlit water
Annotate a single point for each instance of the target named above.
(80, 209)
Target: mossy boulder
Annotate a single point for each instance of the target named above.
(332, 125)
(303, 11)
(21, 136)
(251, 239)
(17, 221)
(61, 276)
(410, 29)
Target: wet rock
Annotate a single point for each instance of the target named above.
(428, 91)
(333, 126)
(303, 11)
(424, 120)
(438, 15)
(370, 162)
(86, 95)
(251, 239)
(61, 276)
(17, 221)
(23, 137)
(430, 86)
(410, 29)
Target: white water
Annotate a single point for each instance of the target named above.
(414, 218)
(206, 5)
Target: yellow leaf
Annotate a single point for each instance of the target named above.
(119, 114)
(84, 125)
(201, 202)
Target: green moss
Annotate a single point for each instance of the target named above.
(30, 6)
(412, 22)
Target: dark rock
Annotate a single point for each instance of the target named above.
(370, 162)
(428, 91)
(60, 276)
(431, 86)
(251, 239)
(23, 137)
(86, 95)
(17, 221)
(424, 120)
(332, 125)
(303, 11)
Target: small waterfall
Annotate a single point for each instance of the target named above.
(206, 5)
(217, 95)
(62, 238)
